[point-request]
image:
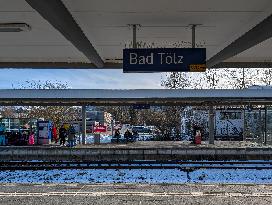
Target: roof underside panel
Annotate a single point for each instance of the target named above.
(163, 24)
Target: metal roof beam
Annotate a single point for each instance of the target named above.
(55, 12)
(256, 35)
(56, 65)
(243, 65)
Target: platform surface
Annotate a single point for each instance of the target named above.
(135, 194)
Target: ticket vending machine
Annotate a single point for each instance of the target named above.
(44, 135)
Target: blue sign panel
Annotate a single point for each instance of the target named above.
(164, 60)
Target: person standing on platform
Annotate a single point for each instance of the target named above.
(195, 129)
(2, 134)
(126, 135)
(198, 137)
(135, 135)
(71, 136)
(117, 135)
(54, 133)
(24, 139)
(62, 135)
(31, 139)
(130, 136)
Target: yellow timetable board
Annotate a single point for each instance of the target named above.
(197, 68)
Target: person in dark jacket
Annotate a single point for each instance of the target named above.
(135, 135)
(2, 134)
(62, 135)
(127, 135)
(71, 136)
(130, 136)
(117, 135)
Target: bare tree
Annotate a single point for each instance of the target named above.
(266, 76)
(8, 112)
(212, 78)
(57, 114)
(176, 80)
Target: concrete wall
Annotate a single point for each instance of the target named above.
(124, 154)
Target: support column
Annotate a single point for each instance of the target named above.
(265, 125)
(112, 127)
(244, 124)
(83, 124)
(134, 42)
(211, 125)
(260, 133)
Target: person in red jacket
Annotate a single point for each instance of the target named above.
(31, 139)
(198, 137)
(55, 136)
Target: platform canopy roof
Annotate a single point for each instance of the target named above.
(92, 33)
(96, 97)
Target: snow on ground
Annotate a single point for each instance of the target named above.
(155, 176)
(231, 176)
(93, 176)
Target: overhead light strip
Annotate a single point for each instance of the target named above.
(14, 27)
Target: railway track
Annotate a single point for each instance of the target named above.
(180, 165)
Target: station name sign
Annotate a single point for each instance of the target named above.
(164, 60)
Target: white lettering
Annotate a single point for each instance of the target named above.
(150, 59)
(165, 58)
(180, 59)
(169, 59)
(141, 60)
(133, 58)
(175, 59)
(161, 57)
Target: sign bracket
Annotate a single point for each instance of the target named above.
(134, 34)
(193, 35)
(163, 59)
(193, 27)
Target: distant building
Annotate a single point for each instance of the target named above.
(230, 123)
(95, 118)
(104, 118)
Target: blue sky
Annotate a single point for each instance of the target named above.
(89, 79)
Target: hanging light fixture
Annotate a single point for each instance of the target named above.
(14, 27)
